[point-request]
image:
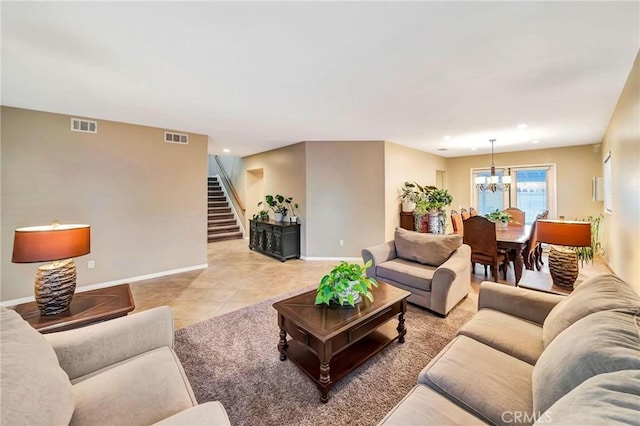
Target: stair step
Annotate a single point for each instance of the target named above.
(215, 194)
(218, 210)
(219, 216)
(224, 236)
(217, 198)
(218, 204)
(222, 221)
(222, 229)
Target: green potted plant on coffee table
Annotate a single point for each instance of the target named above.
(345, 285)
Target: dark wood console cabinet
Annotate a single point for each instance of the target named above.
(406, 221)
(277, 239)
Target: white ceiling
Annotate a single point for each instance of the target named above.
(256, 76)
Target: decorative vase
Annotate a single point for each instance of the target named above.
(278, 217)
(433, 223)
(419, 223)
(563, 266)
(357, 297)
(293, 219)
(408, 206)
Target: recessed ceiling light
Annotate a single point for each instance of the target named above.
(474, 148)
(522, 126)
(226, 150)
(536, 141)
(446, 138)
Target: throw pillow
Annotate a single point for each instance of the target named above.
(428, 249)
(605, 399)
(598, 293)
(35, 390)
(602, 342)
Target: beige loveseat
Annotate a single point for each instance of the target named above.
(435, 268)
(530, 357)
(118, 372)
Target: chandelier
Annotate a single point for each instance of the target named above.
(493, 183)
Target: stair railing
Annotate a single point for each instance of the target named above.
(230, 185)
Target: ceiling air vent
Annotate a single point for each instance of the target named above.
(176, 138)
(85, 126)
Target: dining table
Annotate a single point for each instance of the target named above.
(514, 239)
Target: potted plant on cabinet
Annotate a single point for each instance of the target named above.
(501, 218)
(408, 197)
(292, 216)
(345, 285)
(278, 203)
(438, 199)
(262, 215)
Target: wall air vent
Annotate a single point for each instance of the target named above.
(85, 126)
(176, 138)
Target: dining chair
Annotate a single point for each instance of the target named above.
(473, 212)
(456, 222)
(516, 214)
(538, 253)
(464, 213)
(480, 234)
(530, 252)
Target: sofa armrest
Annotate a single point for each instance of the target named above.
(451, 281)
(84, 350)
(378, 254)
(523, 303)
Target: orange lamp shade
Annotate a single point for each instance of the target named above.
(51, 242)
(564, 232)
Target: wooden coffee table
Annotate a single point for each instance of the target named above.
(328, 343)
(86, 308)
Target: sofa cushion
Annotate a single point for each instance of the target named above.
(602, 342)
(511, 335)
(406, 272)
(150, 387)
(34, 389)
(605, 399)
(598, 293)
(486, 382)
(428, 249)
(209, 413)
(422, 405)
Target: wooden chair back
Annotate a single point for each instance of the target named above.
(464, 213)
(517, 215)
(480, 234)
(529, 253)
(456, 222)
(473, 212)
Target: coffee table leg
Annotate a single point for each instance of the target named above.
(325, 379)
(401, 329)
(283, 345)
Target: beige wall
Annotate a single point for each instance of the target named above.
(144, 199)
(345, 197)
(575, 167)
(403, 164)
(621, 228)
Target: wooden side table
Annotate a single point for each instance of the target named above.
(87, 307)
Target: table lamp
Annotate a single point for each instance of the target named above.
(563, 262)
(56, 282)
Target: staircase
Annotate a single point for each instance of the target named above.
(221, 224)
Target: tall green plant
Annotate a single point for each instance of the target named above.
(586, 254)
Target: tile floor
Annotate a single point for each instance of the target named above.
(238, 277)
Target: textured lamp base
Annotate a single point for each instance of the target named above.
(54, 287)
(563, 266)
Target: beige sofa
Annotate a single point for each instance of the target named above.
(435, 268)
(530, 357)
(118, 372)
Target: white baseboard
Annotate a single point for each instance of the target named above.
(112, 283)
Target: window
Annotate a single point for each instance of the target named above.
(532, 190)
(608, 203)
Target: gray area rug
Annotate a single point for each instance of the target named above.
(233, 359)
